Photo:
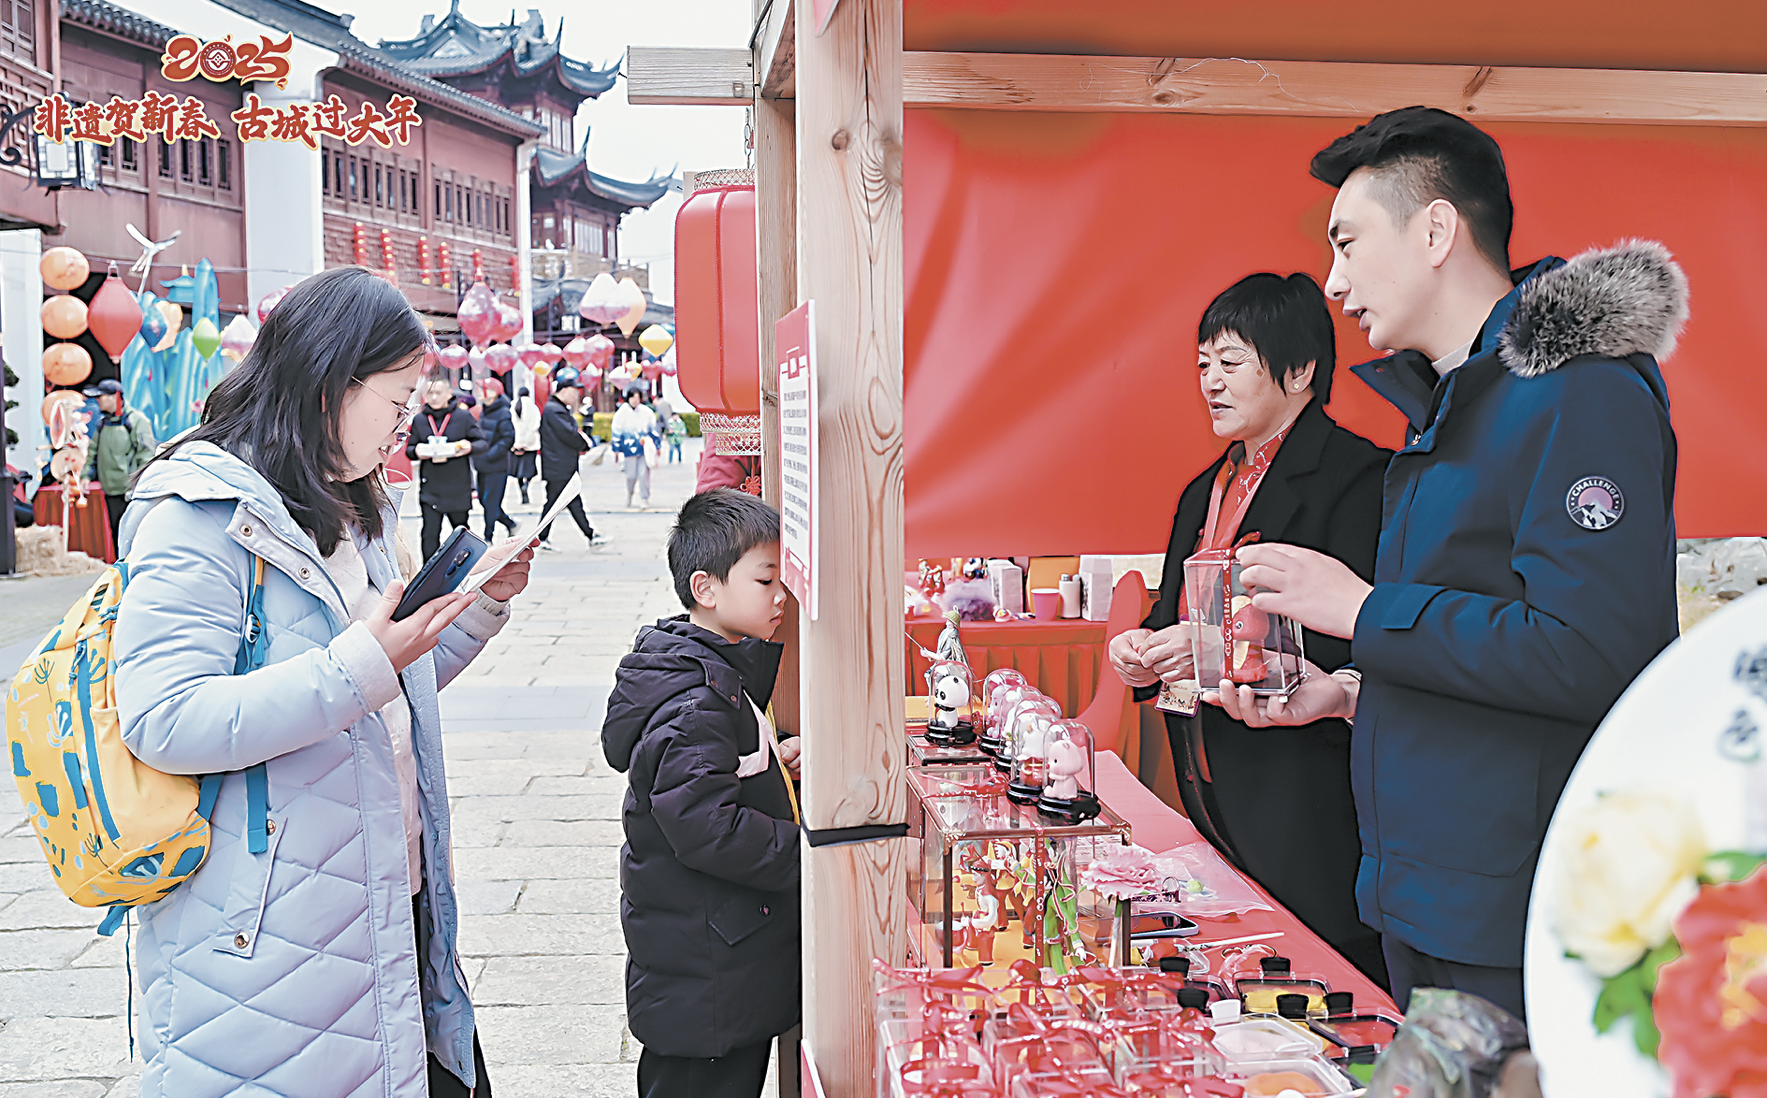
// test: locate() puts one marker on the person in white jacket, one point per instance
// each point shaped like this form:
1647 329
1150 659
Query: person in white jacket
633 424
526 414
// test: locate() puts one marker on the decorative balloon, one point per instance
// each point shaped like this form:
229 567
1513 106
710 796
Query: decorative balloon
656 340
453 357
64 316
509 323
501 358
114 317
66 364
237 338
601 349
205 337
64 268
603 302
153 321
577 353
478 314
636 303
173 316
269 301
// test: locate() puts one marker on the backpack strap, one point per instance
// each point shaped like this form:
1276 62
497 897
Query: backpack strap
252 647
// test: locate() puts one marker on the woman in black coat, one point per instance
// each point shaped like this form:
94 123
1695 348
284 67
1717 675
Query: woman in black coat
445 481
1278 805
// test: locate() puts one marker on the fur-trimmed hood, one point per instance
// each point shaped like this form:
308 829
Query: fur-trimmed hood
1629 299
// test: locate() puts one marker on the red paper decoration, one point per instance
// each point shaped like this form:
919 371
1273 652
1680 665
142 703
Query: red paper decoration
64 268
114 317
64 316
66 364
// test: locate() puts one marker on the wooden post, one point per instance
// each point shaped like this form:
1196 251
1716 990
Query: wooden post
849 115
777 294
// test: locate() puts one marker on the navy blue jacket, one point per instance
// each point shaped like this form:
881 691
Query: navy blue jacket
1525 575
500 433
710 869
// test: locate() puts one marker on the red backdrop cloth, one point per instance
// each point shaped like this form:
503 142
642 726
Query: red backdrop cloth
1156 827
1055 267
89 527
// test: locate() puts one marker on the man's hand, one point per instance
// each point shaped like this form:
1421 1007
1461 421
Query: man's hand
405 641
1168 652
1319 696
790 749
1125 653
1312 588
512 578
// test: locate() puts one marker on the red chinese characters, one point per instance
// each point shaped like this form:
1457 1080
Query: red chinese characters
158 113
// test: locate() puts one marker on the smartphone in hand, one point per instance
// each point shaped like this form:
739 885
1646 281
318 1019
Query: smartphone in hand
443 573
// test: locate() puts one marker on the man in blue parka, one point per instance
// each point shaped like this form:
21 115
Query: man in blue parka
1525 570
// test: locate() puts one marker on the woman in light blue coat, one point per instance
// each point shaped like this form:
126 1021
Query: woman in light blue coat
317 957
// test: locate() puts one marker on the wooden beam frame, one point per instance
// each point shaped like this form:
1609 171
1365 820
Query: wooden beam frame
772 49
1328 89
1217 85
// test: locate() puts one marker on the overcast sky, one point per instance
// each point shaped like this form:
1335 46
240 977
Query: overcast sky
626 142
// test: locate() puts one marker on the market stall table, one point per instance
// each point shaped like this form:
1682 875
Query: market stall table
89 527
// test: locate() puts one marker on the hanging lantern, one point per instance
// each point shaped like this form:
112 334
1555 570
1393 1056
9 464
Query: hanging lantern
114 317
603 302
205 337
64 316
509 323
716 315
655 340
64 268
478 314
479 266
600 350
670 368
153 321
636 303
66 364
269 301
424 260
359 240
444 264
237 338
174 318
476 361
500 358
453 357
515 273
386 251
651 370
531 355
551 354
577 353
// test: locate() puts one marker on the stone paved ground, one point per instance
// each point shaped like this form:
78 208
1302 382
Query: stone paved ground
537 834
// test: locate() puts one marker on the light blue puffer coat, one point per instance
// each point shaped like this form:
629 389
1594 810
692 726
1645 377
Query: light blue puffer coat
291 972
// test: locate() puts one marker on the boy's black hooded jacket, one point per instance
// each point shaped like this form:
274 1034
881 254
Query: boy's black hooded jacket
710 869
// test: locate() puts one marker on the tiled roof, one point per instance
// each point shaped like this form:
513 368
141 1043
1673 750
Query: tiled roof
553 168
118 21
457 46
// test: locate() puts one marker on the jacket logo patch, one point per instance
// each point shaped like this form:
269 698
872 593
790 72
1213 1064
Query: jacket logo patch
1595 503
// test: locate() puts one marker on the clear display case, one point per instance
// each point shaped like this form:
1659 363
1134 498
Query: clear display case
998 882
1231 640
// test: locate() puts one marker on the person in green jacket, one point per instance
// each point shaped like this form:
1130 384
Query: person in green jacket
123 442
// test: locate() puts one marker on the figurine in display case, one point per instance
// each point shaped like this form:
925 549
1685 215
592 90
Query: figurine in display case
949 693
1233 639
1024 744
995 738
1069 773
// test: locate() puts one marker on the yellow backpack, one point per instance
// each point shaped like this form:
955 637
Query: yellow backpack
117 832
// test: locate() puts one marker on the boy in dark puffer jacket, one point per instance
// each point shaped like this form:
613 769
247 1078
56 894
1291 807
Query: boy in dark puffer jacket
710 869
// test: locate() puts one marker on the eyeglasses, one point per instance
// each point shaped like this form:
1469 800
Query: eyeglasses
407 411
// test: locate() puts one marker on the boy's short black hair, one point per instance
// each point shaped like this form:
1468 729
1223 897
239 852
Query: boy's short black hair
1286 320
713 531
1422 154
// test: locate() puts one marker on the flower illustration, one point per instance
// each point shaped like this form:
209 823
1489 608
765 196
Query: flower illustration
1710 1003
1631 865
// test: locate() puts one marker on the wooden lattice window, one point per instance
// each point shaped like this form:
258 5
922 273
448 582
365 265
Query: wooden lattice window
18 28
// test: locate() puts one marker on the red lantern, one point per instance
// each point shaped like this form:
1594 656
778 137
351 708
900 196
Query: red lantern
114 317
479 266
359 243
501 358
509 324
453 357
478 314
716 315
515 273
66 364
424 260
64 316
577 353
386 250
601 349
442 262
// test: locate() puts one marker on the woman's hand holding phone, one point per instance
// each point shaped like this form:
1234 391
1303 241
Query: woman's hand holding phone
406 640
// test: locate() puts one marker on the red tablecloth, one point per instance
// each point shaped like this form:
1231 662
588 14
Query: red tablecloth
89 527
1156 827
1061 658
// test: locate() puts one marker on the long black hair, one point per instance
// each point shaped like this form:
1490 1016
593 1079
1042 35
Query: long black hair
278 410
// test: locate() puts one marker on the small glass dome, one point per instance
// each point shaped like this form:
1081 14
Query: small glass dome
1001 706
1069 773
949 703
998 680
1025 748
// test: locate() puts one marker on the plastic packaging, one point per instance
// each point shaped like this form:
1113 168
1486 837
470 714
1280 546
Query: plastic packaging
1232 640
1451 1045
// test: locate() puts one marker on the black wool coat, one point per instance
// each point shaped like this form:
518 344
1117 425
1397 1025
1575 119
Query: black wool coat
448 485
561 442
1278 801
499 429
710 868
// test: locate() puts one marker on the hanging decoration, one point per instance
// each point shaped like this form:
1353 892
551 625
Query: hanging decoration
387 252
424 260
66 364
577 353
173 318
153 321
444 264
452 357
515 273
114 317
205 337
64 316
601 350
479 266
478 315
509 323
500 358
602 302
359 244
636 303
237 338
656 340
269 301
64 268
476 361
